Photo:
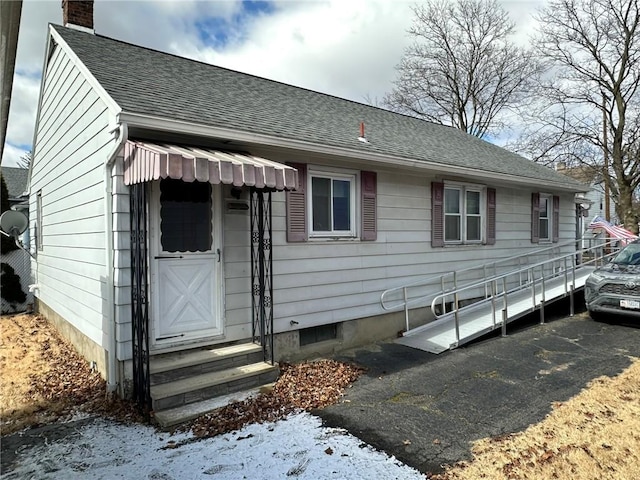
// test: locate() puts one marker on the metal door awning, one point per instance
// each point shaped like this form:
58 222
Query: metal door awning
146 161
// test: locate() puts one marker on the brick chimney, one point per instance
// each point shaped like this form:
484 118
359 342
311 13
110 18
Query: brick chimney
78 13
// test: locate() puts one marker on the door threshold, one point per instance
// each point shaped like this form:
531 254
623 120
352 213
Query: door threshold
187 345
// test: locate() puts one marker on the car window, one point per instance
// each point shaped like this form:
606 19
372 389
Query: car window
630 255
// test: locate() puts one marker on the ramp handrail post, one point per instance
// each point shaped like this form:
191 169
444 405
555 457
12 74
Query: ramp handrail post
504 293
486 287
566 275
571 308
532 275
406 309
504 322
493 302
442 304
543 298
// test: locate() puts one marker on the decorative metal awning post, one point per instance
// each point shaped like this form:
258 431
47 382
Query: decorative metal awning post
139 296
262 272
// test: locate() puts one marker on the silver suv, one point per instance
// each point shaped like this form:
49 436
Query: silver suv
615 287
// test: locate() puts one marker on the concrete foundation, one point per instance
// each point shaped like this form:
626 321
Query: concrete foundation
353 333
91 351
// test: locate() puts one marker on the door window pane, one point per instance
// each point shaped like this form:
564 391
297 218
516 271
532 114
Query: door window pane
321 200
185 216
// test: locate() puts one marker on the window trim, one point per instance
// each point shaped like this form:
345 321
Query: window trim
463 188
39 243
334 174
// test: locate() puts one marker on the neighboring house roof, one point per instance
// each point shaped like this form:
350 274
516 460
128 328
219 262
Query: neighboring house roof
16 180
161 85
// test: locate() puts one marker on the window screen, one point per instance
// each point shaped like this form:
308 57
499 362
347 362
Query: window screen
185 216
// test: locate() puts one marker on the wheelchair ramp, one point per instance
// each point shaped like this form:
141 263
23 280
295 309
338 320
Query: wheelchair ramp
482 317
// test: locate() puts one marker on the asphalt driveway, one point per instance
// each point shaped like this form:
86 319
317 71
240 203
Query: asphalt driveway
426 409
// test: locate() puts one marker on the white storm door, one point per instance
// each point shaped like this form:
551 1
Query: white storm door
187 264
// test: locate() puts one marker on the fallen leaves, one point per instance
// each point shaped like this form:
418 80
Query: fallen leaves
44 378
302 386
48 375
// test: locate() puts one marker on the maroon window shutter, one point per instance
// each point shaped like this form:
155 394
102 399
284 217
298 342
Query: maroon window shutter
368 191
437 214
535 218
297 207
491 216
556 218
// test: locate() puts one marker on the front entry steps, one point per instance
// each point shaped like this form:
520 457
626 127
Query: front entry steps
187 384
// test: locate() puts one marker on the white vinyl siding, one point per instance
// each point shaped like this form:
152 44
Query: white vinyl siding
317 283
72 141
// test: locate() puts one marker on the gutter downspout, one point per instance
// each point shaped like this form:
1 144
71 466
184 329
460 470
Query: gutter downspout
112 377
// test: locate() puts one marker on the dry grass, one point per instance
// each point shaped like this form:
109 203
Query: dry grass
44 379
594 435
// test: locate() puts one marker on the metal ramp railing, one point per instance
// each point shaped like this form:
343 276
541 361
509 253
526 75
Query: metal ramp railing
500 298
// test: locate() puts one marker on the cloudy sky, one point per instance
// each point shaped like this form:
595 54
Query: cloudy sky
347 48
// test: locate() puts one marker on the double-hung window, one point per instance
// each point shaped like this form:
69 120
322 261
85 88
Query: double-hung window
332 204
544 219
463 218
462 214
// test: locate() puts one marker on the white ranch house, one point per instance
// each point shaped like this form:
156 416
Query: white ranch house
177 205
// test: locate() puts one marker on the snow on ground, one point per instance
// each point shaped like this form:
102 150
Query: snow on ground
297 447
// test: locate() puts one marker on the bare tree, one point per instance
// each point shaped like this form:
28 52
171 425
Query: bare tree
462 68
25 160
589 104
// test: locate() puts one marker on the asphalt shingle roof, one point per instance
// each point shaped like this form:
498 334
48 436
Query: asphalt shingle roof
16 180
149 82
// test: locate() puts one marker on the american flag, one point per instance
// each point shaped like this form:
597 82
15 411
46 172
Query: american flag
614 231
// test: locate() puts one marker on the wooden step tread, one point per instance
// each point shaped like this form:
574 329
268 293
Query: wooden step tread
184 413
197 382
189 358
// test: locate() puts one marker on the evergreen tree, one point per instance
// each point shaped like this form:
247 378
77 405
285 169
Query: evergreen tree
12 291
7 244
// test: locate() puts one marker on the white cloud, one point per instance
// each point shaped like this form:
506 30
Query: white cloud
348 49
24 100
11 155
344 48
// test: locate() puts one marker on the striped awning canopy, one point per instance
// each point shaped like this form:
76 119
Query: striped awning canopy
146 161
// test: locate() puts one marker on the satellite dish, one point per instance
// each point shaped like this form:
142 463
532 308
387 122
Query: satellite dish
13 223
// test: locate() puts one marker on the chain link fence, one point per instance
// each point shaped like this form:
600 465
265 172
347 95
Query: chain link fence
16 263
